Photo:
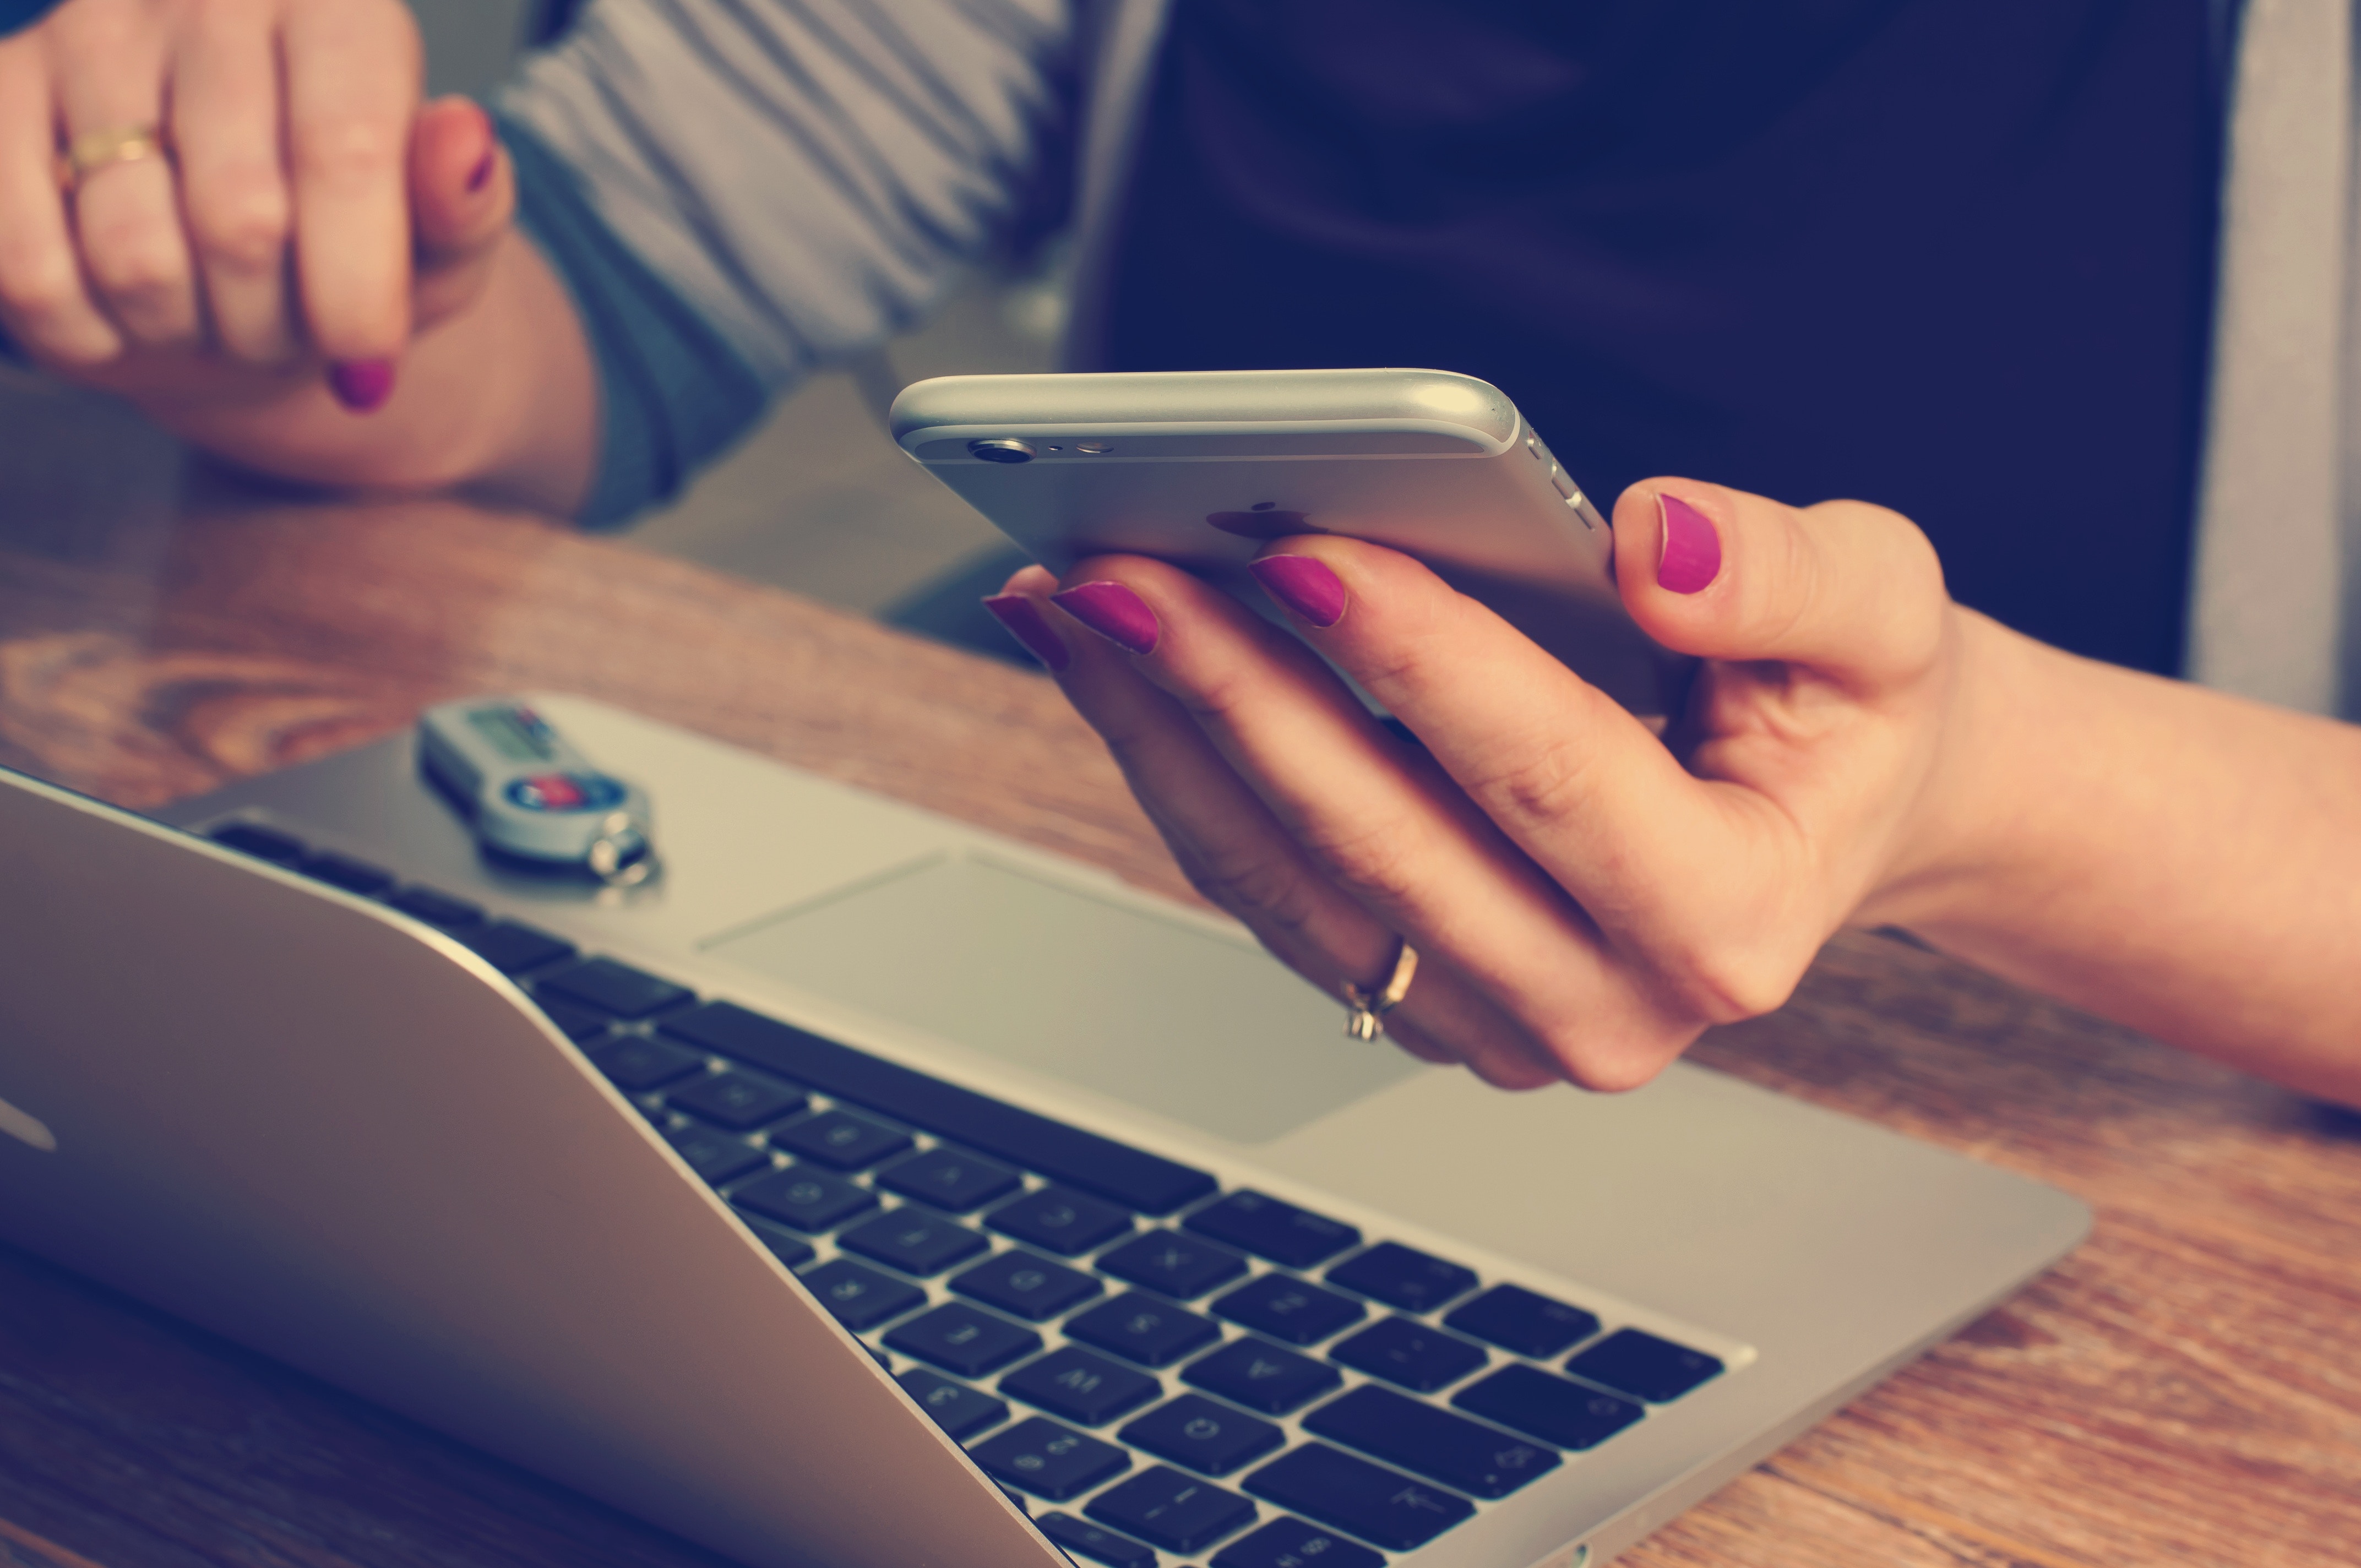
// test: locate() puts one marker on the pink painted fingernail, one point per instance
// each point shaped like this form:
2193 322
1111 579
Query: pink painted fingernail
1692 557
361 385
482 174
1304 585
1025 622
1114 612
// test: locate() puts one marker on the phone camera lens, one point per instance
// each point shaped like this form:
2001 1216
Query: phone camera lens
1002 451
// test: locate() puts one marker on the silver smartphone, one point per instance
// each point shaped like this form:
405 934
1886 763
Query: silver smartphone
1200 467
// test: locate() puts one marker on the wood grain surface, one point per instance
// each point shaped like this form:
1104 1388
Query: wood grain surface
2185 1388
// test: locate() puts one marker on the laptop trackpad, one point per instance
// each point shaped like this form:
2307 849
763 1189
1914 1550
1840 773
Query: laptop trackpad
1160 1014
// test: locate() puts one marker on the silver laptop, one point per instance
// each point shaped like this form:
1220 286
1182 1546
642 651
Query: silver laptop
869 1189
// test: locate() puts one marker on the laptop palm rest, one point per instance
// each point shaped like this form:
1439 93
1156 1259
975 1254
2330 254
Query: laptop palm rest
1162 1014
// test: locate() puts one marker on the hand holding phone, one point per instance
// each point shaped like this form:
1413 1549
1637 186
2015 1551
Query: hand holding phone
1201 468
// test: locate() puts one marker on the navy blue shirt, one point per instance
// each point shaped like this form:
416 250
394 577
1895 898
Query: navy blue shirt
1951 256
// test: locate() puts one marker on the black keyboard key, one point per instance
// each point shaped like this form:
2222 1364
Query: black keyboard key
913 1241
577 1024
738 1101
861 1298
614 988
437 908
1296 1238
1182 1266
1176 1512
1029 1285
784 1246
262 843
840 1139
958 1338
512 948
1287 1309
1060 1219
1517 1319
1399 1277
1380 1506
959 1409
715 1156
1195 1432
811 1200
1434 1444
1146 1183
1047 1460
1555 1410
635 1064
352 875
1145 1328
1081 1385
949 1179
1644 1366
1083 1538
1261 1377
1292 1544
1402 1351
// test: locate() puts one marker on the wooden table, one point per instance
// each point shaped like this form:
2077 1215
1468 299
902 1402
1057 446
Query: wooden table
2184 1389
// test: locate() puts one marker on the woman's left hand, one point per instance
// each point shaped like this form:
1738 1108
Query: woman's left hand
1585 897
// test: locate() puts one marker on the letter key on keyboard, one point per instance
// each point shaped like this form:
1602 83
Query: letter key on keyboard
715 1156
1049 1460
1399 1277
808 1199
736 1100
840 1140
1182 1266
1261 1377
1081 1385
1027 1286
1287 1309
1142 1328
1296 1238
635 1063
1060 1219
1404 1351
861 1298
915 1241
1099 1545
959 1409
1291 1543
949 1178
1195 1432
958 1338
613 988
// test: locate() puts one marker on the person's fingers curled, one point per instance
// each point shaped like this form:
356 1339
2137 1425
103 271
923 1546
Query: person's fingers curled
44 302
226 131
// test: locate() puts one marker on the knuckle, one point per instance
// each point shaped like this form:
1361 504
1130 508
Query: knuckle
1377 859
1724 985
1543 779
138 269
341 151
1602 1065
244 221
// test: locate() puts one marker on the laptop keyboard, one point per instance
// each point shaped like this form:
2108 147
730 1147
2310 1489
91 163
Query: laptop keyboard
1157 1368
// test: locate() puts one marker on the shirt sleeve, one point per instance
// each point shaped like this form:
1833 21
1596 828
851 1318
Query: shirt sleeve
739 192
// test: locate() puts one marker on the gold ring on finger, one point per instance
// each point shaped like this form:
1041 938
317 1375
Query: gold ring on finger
1365 1016
95 151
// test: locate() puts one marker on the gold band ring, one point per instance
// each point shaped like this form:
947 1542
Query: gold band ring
95 151
1366 1016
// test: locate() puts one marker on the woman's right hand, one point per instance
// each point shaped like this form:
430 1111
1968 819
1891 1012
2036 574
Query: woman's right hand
310 217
